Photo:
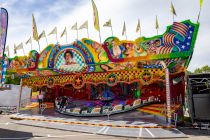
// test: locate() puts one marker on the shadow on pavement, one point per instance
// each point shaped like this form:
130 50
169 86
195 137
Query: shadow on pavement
194 132
12 134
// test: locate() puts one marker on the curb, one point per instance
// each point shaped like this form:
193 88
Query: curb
92 124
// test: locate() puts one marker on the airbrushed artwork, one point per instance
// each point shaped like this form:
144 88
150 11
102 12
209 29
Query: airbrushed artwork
88 77
113 71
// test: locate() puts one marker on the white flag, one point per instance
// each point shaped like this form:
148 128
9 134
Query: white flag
20 46
64 32
42 34
138 27
84 25
74 27
108 23
54 31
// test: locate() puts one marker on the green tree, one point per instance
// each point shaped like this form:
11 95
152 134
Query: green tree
198 70
204 69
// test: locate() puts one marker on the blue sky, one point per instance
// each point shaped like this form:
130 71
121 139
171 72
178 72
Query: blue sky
64 13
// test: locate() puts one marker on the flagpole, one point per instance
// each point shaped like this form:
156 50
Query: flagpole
126 35
56 37
39 45
99 32
66 38
99 35
15 51
77 34
46 40
140 32
199 15
8 53
24 52
87 32
173 17
139 28
31 45
111 30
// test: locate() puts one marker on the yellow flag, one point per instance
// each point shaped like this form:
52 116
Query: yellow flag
201 3
156 23
84 25
74 27
138 27
64 32
108 23
42 34
35 33
95 16
124 29
54 31
172 9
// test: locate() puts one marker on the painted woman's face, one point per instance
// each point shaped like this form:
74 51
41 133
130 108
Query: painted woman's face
68 56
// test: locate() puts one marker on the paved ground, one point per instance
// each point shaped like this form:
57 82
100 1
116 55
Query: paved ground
10 130
134 128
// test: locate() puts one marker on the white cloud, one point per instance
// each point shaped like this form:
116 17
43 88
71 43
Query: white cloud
66 13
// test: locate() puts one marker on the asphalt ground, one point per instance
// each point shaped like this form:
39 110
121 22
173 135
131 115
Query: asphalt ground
10 131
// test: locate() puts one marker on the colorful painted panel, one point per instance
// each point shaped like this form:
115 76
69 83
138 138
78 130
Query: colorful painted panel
44 56
143 76
97 51
69 60
174 48
24 63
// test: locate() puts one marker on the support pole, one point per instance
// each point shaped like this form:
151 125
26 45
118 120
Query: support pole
168 96
112 30
20 92
99 35
87 33
77 34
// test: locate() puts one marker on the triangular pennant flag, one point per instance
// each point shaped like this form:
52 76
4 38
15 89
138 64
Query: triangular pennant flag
42 34
15 51
34 28
20 46
156 23
108 23
64 32
74 27
172 9
95 16
84 25
54 31
124 29
138 27
28 41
